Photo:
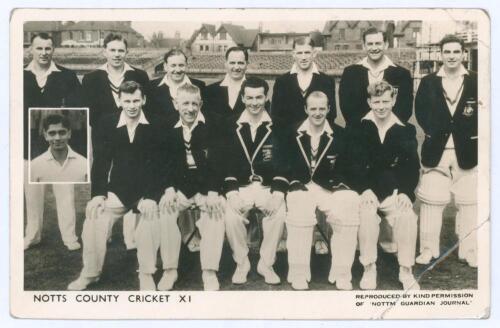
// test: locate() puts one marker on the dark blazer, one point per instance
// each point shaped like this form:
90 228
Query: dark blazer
353 92
175 171
338 165
288 104
98 94
62 89
217 101
391 165
124 168
237 143
435 119
160 102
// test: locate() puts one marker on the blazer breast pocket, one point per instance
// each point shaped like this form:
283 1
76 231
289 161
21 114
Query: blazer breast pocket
267 153
331 160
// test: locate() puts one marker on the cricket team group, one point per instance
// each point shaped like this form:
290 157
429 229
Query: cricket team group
166 146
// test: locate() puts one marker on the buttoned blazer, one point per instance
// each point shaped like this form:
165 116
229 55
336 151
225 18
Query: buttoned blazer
393 164
207 176
238 150
438 124
160 102
124 168
62 89
288 104
353 92
98 95
338 165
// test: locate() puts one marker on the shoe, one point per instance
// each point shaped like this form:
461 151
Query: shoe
299 282
425 257
320 247
210 281
407 279
146 282
471 258
73 246
82 283
341 282
241 272
270 277
369 279
168 279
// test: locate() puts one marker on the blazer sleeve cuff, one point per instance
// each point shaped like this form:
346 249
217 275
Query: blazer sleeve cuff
280 184
230 184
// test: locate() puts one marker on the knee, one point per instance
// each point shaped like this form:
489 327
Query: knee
465 190
434 188
345 209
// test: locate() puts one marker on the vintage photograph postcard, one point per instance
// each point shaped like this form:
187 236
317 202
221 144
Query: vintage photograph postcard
250 164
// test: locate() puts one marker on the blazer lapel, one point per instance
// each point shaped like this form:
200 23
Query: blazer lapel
463 97
324 143
106 90
263 132
440 95
304 143
243 133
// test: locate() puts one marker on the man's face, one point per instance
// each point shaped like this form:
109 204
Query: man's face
42 51
254 100
132 103
236 65
303 56
452 55
175 67
188 106
57 136
316 110
115 53
375 46
382 105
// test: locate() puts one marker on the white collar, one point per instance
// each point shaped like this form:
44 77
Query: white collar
123 121
295 70
126 67
52 68
169 83
245 118
393 119
462 71
306 126
386 62
199 118
228 81
49 157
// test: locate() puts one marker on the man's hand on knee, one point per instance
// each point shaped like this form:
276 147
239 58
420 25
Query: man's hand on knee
368 198
237 204
404 203
215 205
95 207
168 202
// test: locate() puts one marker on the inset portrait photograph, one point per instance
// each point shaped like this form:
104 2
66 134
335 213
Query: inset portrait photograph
58 145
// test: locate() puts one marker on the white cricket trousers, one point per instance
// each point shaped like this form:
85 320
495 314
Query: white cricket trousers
435 189
256 195
96 233
342 211
396 232
35 202
211 232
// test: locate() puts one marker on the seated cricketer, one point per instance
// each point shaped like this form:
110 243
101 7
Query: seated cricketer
121 173
386 212
322 174
60 163
252 181
192 179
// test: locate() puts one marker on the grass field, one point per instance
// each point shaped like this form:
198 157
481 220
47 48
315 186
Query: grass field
50 266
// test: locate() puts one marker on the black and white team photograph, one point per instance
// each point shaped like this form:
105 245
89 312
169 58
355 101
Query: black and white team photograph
333 155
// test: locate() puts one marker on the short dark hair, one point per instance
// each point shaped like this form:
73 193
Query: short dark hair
130 87
174 52
374 30
450 38
377 89
114 37
233 49
43 36
254 82
56 119
302 41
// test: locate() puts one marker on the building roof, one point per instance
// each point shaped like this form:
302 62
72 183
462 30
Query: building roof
329 25
99 25
240 34
403 25
207 27
283 33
